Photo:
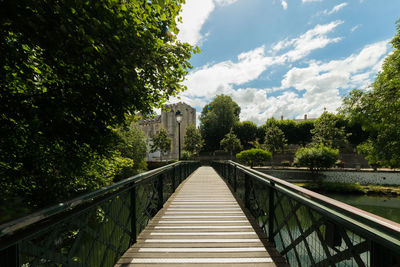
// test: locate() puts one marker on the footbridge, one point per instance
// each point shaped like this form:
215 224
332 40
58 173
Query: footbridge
187 215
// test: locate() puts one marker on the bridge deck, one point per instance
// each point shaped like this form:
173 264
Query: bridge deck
201 224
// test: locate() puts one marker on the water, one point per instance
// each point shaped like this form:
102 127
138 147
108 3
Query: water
385 206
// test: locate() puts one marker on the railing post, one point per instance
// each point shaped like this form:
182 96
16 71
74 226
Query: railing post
380 256
10 256
271 212
173 179
246 191
235 180
160 191
133 217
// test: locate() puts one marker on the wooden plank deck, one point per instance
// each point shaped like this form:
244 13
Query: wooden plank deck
201 224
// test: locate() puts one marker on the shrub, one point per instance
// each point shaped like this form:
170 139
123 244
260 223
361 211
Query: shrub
316 157
254 157
186 155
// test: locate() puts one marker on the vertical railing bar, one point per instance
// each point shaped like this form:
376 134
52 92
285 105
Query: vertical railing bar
173 179
160 183
271 211
133 218
246 191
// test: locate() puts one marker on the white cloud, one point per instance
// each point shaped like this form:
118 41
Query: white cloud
225 2
307 1
220 78
355 27
334 9
309 41
284 4
316 86
194 14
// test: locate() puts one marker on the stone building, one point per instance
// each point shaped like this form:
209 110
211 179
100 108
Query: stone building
168 121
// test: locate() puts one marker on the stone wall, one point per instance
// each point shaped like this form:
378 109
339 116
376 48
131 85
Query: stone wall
342 176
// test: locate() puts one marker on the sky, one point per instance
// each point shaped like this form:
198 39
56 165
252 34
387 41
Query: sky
284 57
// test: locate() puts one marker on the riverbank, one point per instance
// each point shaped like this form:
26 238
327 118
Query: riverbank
344 188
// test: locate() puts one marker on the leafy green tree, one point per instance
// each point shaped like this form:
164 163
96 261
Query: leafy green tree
70 72
368 149
274 139
193 142
246 131
254 157
317 157
161 142
217 119
231 143
133 145
289 129
303 132
326 131
378 110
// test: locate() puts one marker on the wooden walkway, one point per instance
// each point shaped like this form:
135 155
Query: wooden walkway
201 225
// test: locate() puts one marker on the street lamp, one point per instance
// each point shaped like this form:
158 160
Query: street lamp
179 117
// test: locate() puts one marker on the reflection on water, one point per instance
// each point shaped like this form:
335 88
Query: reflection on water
384 206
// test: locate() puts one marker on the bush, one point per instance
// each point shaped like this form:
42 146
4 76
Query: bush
316 158
254 157
186 155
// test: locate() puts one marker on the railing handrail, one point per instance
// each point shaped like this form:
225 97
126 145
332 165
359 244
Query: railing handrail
381 227
17 224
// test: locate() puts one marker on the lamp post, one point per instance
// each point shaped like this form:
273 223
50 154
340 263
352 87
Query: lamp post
179 117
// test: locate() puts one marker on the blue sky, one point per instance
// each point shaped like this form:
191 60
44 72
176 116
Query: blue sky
284 57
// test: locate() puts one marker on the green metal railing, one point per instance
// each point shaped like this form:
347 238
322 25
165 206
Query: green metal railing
310 229
94 229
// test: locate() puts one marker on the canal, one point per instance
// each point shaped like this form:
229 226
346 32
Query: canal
385 206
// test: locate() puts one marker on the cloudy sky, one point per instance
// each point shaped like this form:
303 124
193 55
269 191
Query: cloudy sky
284 57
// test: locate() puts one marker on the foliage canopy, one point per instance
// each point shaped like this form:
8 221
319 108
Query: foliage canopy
217 119
316 157
161 142
246 131
254 157
71 71
378 111
231 143
193 142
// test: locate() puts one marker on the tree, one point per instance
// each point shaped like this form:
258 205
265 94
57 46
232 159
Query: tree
378 110
161 142
133 145
274 139
70 72
217 119
289 129
327 132
254 157
316 158
231 143
303 132
246 131
193 142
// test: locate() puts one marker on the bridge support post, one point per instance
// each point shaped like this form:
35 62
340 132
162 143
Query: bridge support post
271 212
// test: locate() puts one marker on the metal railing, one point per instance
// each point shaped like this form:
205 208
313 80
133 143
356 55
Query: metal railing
94 229
310 229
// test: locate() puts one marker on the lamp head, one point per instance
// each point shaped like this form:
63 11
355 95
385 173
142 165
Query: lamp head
178 116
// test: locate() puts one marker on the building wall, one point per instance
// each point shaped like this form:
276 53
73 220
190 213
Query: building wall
168 121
